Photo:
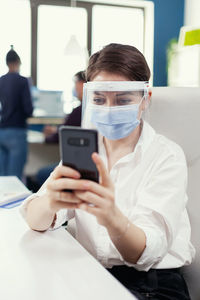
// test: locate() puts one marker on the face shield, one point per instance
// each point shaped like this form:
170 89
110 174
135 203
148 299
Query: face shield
112 107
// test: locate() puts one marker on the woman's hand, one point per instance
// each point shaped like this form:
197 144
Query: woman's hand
98 199
63 178
41 210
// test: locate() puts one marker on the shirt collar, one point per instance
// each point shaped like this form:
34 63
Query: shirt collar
146 137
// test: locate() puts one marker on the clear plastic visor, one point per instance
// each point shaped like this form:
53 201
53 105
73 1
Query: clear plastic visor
111 94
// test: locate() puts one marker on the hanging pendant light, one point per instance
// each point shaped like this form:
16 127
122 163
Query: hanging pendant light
73 47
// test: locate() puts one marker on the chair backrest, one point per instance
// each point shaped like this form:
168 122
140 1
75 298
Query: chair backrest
175 113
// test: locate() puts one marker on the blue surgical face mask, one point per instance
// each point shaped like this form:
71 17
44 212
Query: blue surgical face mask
115 122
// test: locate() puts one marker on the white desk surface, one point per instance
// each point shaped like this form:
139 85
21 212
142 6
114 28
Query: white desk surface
49 266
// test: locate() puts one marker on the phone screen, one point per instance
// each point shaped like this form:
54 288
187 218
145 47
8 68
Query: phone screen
76 147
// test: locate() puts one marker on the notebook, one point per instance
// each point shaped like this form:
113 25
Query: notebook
12 190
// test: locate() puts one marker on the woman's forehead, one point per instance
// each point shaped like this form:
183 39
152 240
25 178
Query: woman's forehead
107 76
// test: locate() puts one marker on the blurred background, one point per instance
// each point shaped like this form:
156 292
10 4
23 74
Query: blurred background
54 39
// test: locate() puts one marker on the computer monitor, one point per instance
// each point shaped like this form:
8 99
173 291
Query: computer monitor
47 103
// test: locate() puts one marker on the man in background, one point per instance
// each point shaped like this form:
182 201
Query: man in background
15 107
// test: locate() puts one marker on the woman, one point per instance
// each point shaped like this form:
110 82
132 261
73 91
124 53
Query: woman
15 108
137 225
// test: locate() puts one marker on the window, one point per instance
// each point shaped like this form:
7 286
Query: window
92 24
56 26
117 25
15 30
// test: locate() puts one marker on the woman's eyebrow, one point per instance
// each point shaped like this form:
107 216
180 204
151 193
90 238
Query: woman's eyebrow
125 93
99 94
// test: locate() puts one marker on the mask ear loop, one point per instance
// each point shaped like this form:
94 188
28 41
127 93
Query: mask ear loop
145 112
146 104
141 114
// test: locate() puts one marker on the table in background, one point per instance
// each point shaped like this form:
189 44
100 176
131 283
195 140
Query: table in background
40 154
49 266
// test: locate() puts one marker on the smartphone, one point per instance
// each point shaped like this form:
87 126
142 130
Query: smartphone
76 147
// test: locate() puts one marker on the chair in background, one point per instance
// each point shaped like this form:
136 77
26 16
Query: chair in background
175 113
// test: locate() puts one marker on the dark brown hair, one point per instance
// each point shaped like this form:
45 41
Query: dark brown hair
80 76
120 59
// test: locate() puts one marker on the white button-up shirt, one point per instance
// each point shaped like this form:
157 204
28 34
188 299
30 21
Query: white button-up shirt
150 189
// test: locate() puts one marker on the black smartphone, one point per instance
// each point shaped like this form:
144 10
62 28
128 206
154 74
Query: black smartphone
76 147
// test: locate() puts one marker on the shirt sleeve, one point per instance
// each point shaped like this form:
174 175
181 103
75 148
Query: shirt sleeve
74 119
53 138
159 209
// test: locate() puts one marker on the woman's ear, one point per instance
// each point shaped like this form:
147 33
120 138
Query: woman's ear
147 101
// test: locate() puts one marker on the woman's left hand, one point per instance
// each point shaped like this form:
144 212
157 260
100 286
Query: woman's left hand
98 199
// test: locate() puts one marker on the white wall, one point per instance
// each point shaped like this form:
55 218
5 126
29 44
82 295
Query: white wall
192 12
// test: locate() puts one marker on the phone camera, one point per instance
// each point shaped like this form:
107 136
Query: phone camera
80 142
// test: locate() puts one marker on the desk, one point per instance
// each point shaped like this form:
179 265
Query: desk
45 120
50 266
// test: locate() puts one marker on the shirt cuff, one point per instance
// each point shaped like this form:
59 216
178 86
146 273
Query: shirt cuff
62 215
61 218
151 255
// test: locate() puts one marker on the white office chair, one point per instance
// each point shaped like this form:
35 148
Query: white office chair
175 113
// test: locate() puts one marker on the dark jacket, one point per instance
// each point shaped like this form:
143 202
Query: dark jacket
74 119
15 101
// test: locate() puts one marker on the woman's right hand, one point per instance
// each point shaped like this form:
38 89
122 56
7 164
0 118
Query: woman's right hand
63 178
41 210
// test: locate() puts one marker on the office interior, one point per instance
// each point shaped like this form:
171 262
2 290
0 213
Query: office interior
55 38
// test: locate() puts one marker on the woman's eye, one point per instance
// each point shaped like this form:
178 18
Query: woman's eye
99 101
124 101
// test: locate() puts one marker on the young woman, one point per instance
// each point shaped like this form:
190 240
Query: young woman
137 225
